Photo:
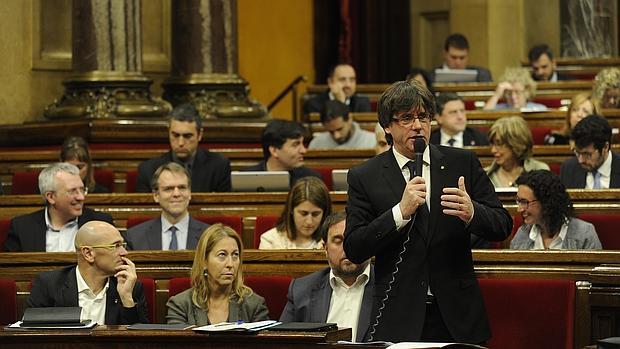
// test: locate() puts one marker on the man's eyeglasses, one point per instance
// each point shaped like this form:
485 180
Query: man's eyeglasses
583 154
77 191
170 189
523 203
408 119
114 246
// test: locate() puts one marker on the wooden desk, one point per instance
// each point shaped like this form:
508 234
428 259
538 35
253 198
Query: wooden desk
107 337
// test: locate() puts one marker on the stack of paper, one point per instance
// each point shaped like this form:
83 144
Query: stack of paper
237 326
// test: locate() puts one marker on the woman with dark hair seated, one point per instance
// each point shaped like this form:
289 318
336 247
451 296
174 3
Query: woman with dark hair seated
217 293
548 216
307 205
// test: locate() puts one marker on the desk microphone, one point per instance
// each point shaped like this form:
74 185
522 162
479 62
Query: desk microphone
419 145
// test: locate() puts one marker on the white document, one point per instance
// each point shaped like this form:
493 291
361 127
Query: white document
237 326
18 325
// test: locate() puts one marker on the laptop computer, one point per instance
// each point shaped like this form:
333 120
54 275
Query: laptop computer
259 181
456 75
339 180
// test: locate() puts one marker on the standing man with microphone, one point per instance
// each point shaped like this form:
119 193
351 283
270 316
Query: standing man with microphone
416 217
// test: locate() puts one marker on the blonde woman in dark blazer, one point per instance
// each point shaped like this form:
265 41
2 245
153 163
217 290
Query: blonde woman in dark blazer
217 293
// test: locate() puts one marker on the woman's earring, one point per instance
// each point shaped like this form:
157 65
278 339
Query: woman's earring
204 273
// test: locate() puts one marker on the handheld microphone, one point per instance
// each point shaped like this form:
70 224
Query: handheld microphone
419 145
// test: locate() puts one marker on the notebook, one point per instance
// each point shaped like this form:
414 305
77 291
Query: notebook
259 181
455 75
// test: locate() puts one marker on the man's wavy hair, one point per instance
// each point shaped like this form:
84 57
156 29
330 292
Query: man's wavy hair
556 205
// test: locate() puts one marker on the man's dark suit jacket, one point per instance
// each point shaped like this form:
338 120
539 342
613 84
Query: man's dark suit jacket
561 76
471 137
440 257
210 172
27 232
295 174
58 288
357 104
147 235
574 176
484 75
309 298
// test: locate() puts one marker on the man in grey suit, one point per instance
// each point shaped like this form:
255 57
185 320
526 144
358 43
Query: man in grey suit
175 229
341 293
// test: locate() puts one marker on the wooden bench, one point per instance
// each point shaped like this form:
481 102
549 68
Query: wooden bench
596 273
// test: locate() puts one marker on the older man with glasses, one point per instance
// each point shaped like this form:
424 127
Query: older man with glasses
103 283
53 228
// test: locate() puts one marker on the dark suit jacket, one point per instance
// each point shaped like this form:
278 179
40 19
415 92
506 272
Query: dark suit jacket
309 298
147 235
27 232
210 172
295 174
358 103
442 258
574 176
58 288
471 137
484 75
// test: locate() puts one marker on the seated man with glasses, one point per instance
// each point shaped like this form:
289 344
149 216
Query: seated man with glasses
175 229
104 282
53 228
549 220
594 166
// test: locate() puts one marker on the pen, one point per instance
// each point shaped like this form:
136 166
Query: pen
238 322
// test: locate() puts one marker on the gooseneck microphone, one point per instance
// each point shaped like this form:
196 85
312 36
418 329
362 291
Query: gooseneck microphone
419 145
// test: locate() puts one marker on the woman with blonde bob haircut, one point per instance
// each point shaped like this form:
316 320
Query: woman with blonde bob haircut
581 105
217 293
511 145
307 205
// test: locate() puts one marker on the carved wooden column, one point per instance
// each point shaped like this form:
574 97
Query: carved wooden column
204 61
107 62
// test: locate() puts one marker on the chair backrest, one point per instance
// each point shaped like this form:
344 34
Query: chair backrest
539 133
273 288
178 285
235 222
148 286
131 181
534 313
606 225
326 175
8 301
25 183
263 223
105 177
135 220
4 231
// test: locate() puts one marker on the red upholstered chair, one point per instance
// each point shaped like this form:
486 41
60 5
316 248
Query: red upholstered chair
536 313
555 167
25 183
263 223
470 105
8 301
326 175
148 286
549 102
178 285
606 225
131 180
539 133
235 222
105 178
135 220
4 231
274 288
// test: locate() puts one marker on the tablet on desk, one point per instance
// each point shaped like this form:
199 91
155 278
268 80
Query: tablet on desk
456 75
339 180
259 181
